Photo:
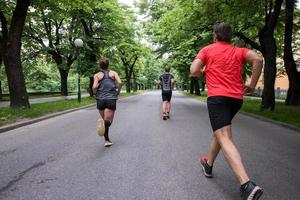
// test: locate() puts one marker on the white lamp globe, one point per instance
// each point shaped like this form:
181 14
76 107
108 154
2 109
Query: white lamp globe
78 43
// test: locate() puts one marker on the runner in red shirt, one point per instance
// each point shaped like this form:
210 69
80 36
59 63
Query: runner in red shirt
223 70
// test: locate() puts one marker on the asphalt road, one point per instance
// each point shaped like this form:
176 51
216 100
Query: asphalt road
64 158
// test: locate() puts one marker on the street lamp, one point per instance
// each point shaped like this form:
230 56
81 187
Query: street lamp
78 44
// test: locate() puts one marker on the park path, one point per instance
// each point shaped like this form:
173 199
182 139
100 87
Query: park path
45 99
152 159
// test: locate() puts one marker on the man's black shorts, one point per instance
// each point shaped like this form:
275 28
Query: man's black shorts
166 96
103 104
221 110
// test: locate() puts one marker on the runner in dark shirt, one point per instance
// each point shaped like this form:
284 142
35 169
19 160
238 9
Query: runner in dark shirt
166 81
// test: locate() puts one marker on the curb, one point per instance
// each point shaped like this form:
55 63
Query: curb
285 125
32 121
282 124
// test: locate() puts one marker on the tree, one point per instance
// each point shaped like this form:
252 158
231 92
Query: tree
51 30
11 52
128 59
293 94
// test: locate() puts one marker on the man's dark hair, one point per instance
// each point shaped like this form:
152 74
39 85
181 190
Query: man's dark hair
223 32
104 63
167 69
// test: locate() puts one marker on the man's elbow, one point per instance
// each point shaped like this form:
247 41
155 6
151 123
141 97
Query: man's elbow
259 61
196 73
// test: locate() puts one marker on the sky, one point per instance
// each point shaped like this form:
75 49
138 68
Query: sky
128 2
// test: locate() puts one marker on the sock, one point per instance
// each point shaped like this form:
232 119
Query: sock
245 185
107 125
207 165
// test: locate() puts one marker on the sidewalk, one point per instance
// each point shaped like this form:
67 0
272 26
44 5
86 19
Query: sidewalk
47 99
259 98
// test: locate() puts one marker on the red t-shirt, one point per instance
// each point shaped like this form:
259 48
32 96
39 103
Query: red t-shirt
223 69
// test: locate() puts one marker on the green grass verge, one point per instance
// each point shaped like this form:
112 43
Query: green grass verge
282 113
5 97
12 115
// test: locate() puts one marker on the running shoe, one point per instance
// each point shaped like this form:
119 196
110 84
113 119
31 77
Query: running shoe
251 191
207 170
108 143
168 115
101 127
165 118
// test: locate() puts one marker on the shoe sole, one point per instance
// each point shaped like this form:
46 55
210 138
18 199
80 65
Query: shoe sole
108 145
256 192
101 127
203 170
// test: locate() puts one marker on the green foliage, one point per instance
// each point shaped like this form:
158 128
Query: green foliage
180 28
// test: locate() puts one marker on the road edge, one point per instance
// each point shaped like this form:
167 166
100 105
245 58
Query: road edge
35 120
278 123
282 124
16 125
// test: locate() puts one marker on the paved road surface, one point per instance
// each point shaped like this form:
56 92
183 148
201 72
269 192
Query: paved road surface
152 159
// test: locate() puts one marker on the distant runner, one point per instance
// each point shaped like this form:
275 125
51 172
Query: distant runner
166 81
107 92
223 70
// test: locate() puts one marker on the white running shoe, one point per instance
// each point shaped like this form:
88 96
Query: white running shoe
101 127
108 143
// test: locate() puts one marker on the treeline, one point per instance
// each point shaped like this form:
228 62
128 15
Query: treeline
36 33
181 28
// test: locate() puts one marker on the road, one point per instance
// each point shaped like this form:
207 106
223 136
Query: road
64 158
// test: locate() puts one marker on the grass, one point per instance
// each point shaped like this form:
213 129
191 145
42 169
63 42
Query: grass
5 97
12 115
282 113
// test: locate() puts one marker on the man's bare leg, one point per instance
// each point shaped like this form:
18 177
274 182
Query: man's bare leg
164 109
231 154
213 151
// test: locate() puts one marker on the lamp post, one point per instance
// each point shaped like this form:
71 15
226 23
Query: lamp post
78 44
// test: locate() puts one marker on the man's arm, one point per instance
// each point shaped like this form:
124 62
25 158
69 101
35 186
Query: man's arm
158 82
257 63
95 84
196 68
119 83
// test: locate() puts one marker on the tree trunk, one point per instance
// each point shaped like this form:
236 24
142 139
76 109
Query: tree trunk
12 57
269 49
63 81
134 81
202 86
91 86
197 87
0 90
293 94
128 86
192 85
